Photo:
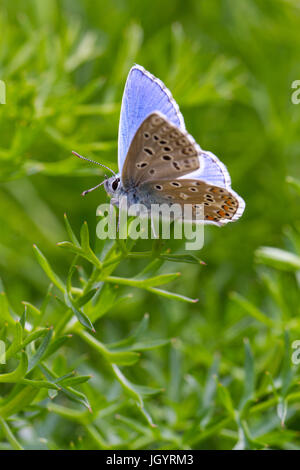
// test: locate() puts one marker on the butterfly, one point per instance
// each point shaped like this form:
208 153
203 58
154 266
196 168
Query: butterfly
160 162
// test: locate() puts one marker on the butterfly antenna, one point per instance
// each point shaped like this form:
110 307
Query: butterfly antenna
92 161
92 189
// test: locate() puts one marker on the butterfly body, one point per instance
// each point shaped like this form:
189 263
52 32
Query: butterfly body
133 194
160 163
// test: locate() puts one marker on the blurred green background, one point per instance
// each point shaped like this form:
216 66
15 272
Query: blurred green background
230 65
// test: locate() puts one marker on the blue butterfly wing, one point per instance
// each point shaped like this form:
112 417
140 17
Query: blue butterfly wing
211 170
143 95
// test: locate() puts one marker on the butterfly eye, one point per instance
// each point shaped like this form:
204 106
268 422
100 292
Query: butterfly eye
115 184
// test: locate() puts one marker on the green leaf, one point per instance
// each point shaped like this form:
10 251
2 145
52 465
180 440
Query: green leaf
18 373
70 232
295 183
71 381
35 311
17 343
147 345
172 295
225 398
80 315
121 358
286 373
104 300
141 328
5 315
181 258
84 299
56 345
252 310
249 382
19 401
9 435
48 270
85 237
278 258
209 391
144 283
70 392
38 356
88 254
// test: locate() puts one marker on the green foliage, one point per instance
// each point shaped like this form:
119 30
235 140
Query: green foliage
99 353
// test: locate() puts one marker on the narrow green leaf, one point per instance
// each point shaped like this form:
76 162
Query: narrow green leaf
85 237
120 358
48 270
80 315
23 318
295 183
278 258
70 392
84 299
141 328
181 258
148 345
18 373
17 341
127 386
71 381
143 283
225 398
252 310
5 315
9 435
171 295
249 382
18 402
209 391
70 232
35 311
37 357
55 345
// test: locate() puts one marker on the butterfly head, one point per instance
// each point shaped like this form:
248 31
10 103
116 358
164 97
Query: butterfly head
112 185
